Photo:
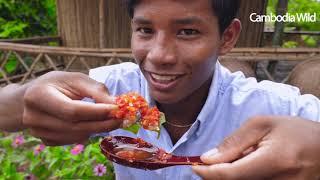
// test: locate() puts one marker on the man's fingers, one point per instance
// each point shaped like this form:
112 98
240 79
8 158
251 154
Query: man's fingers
259 164
209 172
97 126
55 124
77 132
82 111
63 98
57 104
242 140
86 87
52 137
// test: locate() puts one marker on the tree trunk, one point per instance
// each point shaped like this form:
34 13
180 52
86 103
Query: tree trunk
252 33
282 8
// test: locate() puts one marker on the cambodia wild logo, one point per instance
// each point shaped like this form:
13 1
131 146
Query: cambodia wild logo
298 17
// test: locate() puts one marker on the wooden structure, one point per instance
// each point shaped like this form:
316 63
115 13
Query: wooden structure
93 24
105 23
91 36
35 60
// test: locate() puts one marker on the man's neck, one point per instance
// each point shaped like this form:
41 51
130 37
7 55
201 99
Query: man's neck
186 111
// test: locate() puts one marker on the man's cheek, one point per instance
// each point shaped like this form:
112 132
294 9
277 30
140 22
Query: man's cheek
139 55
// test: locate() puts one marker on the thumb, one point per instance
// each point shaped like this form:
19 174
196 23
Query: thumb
92 89
240 142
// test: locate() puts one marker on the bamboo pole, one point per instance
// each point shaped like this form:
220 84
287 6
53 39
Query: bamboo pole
34 40
102 22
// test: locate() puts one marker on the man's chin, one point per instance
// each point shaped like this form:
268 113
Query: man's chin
164 98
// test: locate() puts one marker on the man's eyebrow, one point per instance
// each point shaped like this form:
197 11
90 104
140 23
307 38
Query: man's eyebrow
141 20
188 20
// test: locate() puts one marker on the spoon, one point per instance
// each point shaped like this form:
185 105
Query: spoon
139 154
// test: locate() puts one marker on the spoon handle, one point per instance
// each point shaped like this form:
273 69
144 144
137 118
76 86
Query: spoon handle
185 160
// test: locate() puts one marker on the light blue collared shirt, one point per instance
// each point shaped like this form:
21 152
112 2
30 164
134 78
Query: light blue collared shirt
232 99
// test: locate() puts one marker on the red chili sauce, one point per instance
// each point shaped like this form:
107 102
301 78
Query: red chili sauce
139 150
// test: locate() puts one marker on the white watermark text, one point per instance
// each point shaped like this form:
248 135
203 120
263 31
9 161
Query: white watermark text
298 17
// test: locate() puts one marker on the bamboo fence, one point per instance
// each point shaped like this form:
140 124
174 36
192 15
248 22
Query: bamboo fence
35 60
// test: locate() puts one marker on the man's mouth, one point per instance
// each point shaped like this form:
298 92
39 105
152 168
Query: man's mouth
164 78
164 82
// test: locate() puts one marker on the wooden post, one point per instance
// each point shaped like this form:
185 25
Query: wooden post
282 8
252 33
102 31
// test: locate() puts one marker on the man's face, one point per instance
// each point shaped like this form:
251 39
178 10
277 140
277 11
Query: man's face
176 44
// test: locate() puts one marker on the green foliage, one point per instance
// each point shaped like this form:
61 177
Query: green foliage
19 18
290 44
11 65
305 6
52 162
310 41
300 7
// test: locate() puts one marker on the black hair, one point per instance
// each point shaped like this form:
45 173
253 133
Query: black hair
225 10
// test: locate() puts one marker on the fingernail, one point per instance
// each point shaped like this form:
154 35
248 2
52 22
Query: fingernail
211 153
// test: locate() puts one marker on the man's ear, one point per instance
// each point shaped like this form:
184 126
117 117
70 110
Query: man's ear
230 37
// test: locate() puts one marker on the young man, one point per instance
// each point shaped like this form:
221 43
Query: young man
176 44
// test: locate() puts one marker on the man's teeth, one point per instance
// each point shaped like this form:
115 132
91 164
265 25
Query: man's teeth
163 78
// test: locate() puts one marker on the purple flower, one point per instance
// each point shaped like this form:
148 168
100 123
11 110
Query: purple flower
77 149
100 170
18 141
38 149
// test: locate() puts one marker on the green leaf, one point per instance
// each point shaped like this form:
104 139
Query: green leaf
133 128
17 158
53 163
162 120
290 44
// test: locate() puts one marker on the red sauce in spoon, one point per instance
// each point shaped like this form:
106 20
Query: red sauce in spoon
138 149
138 153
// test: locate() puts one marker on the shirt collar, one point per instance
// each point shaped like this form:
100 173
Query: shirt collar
207 112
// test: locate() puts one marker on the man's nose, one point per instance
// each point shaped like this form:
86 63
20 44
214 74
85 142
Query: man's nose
162 52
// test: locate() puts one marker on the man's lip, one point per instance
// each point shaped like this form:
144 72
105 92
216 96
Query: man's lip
163 86
164 73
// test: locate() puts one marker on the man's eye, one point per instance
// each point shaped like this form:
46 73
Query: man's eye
145 30
188 32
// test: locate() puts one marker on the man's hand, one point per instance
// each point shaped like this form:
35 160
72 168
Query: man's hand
271 147
54 112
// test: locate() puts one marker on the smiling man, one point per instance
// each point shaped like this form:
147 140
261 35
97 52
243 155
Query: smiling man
261 130
176 44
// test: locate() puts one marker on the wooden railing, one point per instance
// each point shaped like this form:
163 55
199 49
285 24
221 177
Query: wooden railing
34 60
42 40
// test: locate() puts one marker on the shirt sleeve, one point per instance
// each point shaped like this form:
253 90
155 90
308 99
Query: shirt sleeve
119 79
291 102
305 106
